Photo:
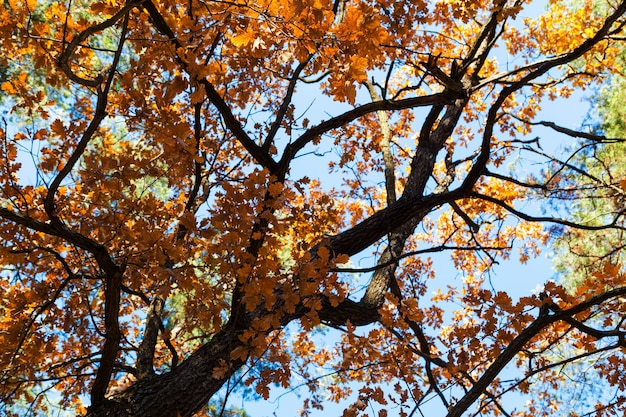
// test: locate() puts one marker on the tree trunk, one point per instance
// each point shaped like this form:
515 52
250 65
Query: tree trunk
180 392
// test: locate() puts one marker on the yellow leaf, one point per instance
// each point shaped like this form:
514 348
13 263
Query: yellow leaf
8 87
243 39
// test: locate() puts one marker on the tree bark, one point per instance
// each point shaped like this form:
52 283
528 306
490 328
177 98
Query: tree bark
182 391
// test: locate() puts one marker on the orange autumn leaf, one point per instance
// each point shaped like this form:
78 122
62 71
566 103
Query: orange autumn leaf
339 199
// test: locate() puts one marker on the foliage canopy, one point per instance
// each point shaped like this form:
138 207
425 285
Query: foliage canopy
186 188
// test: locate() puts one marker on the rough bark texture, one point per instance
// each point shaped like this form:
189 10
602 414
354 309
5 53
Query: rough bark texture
182 391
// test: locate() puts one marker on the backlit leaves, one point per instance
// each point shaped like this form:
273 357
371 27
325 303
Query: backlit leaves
232 159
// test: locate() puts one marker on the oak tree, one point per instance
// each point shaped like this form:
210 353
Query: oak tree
189 191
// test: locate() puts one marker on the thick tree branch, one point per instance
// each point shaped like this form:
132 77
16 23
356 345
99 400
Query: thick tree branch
145 353
83 242
385 146
110 349
99 115
483 44
69 50
351 115
101 105
258 153
545 219
195 379
372 229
